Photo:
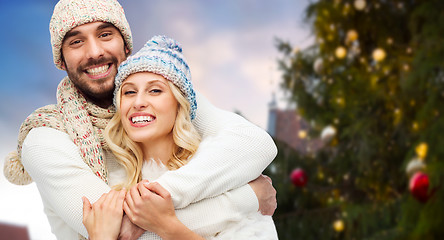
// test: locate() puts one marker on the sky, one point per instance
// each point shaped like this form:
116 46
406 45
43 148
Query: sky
229 45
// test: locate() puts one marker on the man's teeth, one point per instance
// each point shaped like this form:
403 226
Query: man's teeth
142 119
98 70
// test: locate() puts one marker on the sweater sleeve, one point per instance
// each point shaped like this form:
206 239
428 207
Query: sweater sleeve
232 153
212 216
55 164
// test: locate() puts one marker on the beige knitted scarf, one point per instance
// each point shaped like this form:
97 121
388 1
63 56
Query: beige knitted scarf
83 121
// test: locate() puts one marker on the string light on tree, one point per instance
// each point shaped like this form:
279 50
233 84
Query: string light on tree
302 134
346 9
360 4
341 52
406 67
379 54
352 35
397 116
389 41
338 225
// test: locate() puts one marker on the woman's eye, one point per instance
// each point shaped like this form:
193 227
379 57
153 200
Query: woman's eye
129 92
155 90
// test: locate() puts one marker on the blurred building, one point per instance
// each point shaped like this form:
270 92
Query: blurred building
13 232
287 126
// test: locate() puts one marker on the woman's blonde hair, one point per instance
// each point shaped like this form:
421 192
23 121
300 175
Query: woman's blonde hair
129 154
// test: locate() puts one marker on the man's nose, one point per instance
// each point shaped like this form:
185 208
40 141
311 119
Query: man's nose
94 49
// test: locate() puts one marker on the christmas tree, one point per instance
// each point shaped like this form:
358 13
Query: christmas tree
372 88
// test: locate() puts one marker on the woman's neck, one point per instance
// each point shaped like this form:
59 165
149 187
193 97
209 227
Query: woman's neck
159 150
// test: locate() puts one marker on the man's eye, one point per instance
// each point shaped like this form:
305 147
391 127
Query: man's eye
105 34
75 42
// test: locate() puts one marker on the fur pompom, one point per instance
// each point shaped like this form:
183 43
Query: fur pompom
14 170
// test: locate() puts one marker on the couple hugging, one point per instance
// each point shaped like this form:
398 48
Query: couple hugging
130 135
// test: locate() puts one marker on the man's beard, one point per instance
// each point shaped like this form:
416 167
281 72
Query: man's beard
102 92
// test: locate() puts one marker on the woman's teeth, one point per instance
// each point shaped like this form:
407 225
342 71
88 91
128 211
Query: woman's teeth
142 119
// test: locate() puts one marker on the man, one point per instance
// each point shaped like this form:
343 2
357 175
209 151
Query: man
62 146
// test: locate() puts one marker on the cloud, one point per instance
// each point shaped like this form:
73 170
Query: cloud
237 70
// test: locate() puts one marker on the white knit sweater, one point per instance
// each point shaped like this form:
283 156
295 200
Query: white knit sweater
233 153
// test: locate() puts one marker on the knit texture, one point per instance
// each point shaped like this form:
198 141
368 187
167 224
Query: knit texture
160 55
69 14
83 121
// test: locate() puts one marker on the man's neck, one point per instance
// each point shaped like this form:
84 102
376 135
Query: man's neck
103 103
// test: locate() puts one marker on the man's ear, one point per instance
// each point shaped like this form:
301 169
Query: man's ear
62 58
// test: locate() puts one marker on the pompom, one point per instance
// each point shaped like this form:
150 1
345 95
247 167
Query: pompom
165 43
14 170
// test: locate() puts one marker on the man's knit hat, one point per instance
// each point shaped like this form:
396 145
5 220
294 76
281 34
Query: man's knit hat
160 55
69 14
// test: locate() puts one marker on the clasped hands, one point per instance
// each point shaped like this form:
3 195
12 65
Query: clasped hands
105 219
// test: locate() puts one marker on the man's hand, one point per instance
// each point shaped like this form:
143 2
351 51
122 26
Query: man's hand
265 193
129 231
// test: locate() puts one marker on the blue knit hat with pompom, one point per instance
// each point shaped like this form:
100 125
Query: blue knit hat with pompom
160 55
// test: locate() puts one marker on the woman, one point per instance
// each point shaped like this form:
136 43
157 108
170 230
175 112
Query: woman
150 134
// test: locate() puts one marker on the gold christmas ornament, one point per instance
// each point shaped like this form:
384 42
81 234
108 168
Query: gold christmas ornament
338 225
360 4
341 52
421 150
379 54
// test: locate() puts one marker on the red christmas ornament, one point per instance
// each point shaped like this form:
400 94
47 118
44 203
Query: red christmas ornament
419 186
298 177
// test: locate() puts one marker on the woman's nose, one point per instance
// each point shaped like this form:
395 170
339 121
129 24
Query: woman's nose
141 101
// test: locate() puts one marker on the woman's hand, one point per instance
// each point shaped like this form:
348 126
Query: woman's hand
149 206
103 218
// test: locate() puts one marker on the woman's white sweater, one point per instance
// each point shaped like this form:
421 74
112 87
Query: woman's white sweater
232 153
